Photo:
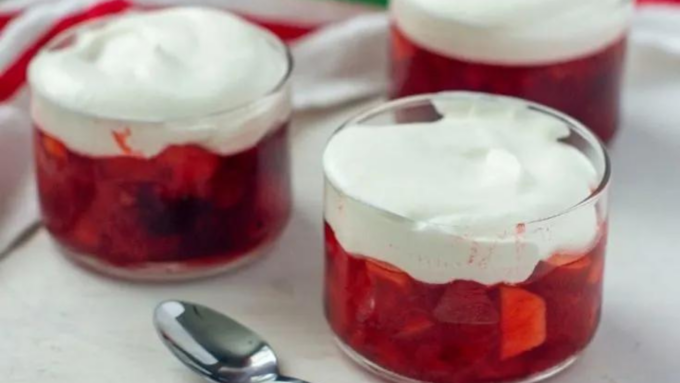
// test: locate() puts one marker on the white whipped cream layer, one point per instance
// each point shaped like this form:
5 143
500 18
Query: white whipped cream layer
185 75
513 32
466 197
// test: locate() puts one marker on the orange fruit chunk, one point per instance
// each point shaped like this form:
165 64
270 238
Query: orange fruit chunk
523 321
387 272
53 147
569 260
580 264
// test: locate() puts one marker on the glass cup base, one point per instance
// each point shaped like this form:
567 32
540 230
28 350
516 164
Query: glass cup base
165 271
396 378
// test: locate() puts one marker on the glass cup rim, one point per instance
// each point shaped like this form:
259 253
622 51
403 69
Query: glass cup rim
91 24
595 195
625 3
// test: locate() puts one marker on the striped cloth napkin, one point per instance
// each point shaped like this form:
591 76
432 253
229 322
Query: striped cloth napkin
324 76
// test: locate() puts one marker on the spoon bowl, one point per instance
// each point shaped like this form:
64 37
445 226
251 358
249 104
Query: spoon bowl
215 346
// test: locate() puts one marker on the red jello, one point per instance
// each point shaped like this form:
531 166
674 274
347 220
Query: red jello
587 88
462 331
186 211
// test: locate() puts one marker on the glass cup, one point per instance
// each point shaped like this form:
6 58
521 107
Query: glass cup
407 330
188 210
568 58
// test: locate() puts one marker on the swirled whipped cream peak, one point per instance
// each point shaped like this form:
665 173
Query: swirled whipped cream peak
469 196
513 31
152 67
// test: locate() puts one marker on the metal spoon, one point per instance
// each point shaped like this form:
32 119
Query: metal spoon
216 346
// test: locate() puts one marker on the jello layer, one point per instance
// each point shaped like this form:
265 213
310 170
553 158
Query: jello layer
513 32
483 194
159 78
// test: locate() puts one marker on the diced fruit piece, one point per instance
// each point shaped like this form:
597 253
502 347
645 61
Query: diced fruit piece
384 265
523 321
387 272
53 147
580 264
417 324
558 259
573 261
465 303
191 169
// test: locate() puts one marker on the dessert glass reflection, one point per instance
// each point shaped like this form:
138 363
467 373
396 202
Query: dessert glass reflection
161 142
568 55
467 246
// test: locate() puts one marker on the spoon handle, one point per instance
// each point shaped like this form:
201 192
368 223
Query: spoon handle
285 379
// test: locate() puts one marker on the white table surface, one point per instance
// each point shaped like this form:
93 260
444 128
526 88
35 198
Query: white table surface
61 324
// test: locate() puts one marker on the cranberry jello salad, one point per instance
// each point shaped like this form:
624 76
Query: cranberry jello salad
568 55
162 141
465 239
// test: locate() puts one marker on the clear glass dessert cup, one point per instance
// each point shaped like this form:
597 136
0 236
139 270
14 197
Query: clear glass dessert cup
462 331
189 210
585 84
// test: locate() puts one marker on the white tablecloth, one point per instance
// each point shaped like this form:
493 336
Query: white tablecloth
61 324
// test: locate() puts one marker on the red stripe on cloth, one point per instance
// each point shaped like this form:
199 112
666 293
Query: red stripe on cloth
286 31
15 76
5 18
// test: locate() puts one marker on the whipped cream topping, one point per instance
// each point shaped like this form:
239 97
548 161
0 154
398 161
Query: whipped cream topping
138 75
519 32
466 197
